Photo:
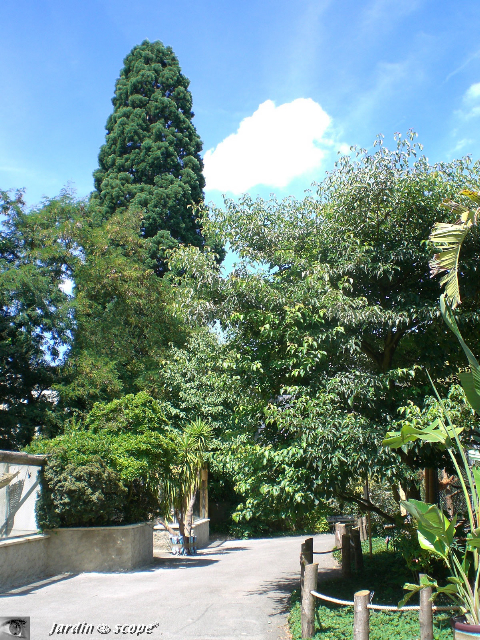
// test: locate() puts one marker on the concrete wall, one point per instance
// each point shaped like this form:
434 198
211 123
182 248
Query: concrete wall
23 560
75 550
99 548
201 529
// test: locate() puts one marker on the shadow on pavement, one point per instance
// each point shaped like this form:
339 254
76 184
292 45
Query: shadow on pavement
217 551
279 590
179 562
35 586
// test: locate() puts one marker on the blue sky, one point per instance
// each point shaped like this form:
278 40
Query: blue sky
278 87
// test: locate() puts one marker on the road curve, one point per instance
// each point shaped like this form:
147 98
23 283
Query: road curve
233 590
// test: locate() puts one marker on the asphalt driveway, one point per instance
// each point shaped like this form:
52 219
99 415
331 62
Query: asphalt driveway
232 590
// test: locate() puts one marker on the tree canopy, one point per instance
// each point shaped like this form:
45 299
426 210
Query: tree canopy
36 314
151 158
333 316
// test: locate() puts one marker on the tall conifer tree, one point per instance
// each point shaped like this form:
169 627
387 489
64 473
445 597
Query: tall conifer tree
151 155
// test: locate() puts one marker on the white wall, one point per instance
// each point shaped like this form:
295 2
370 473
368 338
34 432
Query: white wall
17 500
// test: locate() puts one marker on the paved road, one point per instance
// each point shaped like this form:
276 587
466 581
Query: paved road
234 590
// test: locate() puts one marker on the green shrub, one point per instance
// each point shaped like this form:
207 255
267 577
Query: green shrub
110 468
79 496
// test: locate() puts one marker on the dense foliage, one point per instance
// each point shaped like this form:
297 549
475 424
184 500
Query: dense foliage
331 316
151 158
123 449
125 316
36 318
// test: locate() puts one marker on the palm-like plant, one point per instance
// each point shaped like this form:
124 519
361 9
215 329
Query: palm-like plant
435 531
180 489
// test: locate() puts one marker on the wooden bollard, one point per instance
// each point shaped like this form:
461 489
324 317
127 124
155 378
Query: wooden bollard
357 549
361 622
308 601
303 561
426 613
346 556
309 550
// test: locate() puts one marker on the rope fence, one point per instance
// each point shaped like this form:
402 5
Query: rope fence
362 599
382 607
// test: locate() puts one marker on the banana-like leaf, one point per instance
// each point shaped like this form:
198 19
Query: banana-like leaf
476 478
449 317
435 531
473 539
470 380
435 432
448 239
473 195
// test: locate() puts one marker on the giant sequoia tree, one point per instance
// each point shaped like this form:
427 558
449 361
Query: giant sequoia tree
151 155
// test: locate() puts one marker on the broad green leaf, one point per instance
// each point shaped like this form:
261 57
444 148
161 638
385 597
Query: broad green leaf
412 590
448 239
476 477
470 380
449 318
435 531
449 589
435 432
473 538
473 195
425 581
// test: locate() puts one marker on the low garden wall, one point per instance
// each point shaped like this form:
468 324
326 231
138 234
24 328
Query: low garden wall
201 529
24 560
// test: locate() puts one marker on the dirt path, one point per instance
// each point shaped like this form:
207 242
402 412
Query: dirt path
233 590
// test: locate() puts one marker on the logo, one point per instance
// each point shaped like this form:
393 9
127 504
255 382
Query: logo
15 627
103 628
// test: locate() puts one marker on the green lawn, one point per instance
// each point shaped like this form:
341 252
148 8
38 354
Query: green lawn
384 573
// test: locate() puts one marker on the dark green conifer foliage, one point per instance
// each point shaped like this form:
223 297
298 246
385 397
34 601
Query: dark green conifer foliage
151 155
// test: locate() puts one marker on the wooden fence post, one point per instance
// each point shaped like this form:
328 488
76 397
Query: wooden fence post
308 601
361 626
357 550
346 556
306 557
340 529
309 550
426 613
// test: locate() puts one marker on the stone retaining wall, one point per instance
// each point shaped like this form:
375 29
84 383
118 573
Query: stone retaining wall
24 560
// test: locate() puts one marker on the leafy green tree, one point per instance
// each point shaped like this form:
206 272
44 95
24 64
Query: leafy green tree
330 325
126 319
151 157
37 255
195 381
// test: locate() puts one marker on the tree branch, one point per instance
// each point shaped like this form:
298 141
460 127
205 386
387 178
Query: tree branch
368 506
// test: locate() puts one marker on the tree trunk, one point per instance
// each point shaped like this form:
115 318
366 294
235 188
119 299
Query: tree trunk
189 515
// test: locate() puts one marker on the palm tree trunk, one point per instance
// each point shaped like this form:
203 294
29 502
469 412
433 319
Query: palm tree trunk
189 515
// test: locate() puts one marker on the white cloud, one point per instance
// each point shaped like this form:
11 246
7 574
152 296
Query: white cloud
473 92
271 147
471 102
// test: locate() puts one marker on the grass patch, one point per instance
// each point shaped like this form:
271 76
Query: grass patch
384 574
